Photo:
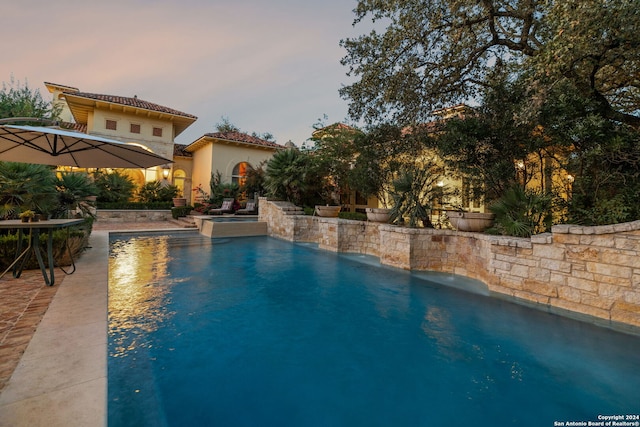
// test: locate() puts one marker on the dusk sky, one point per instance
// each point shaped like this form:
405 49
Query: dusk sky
268 66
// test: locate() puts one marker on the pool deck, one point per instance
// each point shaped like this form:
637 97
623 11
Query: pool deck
61 378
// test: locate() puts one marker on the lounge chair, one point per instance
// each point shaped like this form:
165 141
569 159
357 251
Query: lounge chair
250 209
227 207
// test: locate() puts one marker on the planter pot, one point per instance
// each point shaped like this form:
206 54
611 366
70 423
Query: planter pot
327 211
24 219
471 221
179 201
378 214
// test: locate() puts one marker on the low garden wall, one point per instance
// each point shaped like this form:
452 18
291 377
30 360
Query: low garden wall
123 215
592 271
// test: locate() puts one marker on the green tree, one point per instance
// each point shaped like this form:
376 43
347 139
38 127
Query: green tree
332 158
435 53
490 147
380 153
600 155
225 125
18 100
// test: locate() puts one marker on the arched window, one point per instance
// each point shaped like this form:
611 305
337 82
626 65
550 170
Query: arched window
239 174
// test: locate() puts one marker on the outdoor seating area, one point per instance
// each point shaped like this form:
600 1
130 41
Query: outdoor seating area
249 209
226 208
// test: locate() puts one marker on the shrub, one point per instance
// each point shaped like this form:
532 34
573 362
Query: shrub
114 187
155 191
76 244
357 216
177 212
522 213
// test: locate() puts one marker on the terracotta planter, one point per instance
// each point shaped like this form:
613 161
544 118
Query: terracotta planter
327 211
378 214
179 202
470 221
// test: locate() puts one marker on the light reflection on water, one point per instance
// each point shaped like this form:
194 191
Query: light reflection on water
138 309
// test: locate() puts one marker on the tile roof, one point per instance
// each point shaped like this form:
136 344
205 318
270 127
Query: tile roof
243 138
180 150
131 102
77 127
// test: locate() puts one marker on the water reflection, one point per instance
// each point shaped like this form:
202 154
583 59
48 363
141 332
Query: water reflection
437 325
138 299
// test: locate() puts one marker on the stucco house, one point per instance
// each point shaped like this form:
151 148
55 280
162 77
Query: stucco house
127 119
231 154
131 119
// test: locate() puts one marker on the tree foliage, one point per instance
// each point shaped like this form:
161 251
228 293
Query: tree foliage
114 187
332 158
225 125
286 176
18 100
490 147
521 212
412 192
156 191
603 159
73 190
435 53
25 186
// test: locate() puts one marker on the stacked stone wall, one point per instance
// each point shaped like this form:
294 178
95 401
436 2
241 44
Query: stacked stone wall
594 271
117 215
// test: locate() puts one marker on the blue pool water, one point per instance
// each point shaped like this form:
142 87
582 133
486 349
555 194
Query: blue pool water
261 332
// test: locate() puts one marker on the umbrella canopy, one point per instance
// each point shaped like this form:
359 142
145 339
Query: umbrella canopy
57 147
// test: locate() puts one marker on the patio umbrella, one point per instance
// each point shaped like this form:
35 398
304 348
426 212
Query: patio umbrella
57 147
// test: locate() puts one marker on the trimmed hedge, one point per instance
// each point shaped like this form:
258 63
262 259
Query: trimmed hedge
177 212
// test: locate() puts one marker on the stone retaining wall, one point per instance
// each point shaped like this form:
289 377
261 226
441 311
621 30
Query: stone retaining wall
593 271
143 215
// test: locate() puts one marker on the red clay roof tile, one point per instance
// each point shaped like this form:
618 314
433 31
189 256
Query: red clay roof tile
242 137
131 102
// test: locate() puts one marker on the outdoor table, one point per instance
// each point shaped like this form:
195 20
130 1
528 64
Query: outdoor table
35 228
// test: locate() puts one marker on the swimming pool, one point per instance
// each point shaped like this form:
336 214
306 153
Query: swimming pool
261 332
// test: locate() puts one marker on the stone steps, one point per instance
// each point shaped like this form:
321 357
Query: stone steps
184 222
